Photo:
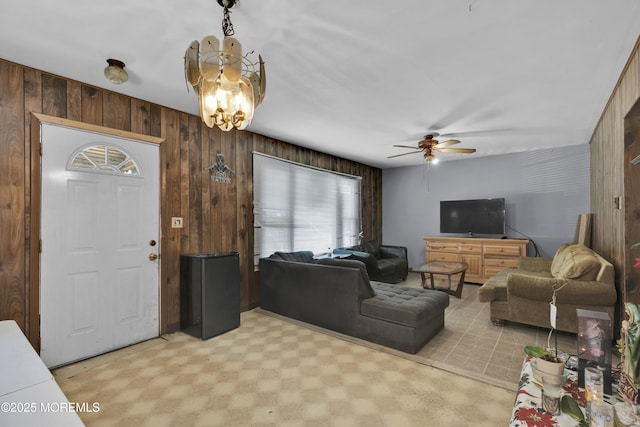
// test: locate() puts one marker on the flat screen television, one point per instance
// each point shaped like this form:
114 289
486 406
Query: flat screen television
479 216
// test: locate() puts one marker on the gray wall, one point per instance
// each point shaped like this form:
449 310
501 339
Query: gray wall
545 191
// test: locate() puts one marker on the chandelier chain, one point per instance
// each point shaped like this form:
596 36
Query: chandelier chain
227 26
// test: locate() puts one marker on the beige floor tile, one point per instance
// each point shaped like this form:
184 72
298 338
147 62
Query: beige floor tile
277 372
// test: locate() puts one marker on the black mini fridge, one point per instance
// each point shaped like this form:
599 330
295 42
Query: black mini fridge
209 293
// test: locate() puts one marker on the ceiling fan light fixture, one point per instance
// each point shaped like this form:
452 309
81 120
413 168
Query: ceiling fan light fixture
228 85
430 156
428 146
115 72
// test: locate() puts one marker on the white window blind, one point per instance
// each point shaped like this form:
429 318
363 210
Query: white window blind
298 207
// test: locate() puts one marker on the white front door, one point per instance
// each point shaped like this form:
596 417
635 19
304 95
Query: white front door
99 284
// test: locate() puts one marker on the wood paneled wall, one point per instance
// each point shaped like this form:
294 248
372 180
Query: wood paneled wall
609 167
217 217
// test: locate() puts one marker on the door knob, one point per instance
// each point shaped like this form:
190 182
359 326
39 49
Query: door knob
153 257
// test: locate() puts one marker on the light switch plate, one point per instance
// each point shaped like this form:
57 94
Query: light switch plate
617 201
176 222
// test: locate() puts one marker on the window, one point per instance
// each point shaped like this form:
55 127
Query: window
101 158
298 207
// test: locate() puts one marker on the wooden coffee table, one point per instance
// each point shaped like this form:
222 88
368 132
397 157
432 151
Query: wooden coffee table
445 268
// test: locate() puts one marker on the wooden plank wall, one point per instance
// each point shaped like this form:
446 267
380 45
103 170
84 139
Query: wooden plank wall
611 238
217 217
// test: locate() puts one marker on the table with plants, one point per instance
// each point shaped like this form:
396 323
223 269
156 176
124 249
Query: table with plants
528 409
565 402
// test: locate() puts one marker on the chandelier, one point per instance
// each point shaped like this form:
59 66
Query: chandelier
229 86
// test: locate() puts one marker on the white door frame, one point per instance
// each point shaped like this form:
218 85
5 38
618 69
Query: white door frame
33 316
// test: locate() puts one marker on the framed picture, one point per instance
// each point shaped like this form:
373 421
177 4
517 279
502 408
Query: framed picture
594 344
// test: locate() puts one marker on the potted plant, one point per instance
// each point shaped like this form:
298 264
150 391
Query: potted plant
545 361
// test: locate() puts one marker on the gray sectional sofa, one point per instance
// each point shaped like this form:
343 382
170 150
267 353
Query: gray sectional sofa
337 294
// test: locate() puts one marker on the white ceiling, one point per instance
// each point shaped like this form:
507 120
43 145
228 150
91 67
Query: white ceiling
352 78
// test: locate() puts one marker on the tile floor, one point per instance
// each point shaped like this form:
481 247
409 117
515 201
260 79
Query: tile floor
472 344
271 372
275 372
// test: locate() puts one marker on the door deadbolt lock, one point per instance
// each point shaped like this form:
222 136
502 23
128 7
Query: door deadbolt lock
153 257
152 243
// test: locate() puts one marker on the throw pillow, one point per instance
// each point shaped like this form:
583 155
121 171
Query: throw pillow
580 264
558 259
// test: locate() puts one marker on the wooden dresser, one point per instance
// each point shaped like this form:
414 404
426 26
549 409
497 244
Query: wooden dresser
484 256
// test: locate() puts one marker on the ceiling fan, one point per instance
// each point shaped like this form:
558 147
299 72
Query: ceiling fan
428 146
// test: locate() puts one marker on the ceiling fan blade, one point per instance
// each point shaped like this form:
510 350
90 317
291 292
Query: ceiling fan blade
447 143
407 146
404 154
457 150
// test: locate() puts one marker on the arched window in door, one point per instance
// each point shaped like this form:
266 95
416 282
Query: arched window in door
103 159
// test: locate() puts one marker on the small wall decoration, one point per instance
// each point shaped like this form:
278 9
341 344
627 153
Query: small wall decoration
219 170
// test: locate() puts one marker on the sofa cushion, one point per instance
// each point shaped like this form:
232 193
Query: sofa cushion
389 266
368 291
535 263
580 263
372 247
495 289
582 293
299 256
405 306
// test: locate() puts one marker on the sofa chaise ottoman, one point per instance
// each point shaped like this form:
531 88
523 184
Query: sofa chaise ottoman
336 294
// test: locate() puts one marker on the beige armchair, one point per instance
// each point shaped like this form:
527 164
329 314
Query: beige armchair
583 278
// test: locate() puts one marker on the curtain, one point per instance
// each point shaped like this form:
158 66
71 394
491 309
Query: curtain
299 207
